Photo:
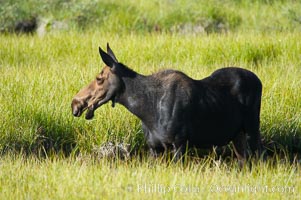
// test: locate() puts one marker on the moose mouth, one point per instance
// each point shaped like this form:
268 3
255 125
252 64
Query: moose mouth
90 112
79 110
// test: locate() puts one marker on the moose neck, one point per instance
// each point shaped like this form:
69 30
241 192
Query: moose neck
134 95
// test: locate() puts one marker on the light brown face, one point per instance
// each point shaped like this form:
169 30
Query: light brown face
98 92
104 88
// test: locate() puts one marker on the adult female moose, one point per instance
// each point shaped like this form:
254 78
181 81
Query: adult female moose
176 110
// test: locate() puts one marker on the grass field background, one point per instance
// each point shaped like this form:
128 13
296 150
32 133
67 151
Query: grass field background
46 153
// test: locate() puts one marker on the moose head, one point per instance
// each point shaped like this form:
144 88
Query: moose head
102 89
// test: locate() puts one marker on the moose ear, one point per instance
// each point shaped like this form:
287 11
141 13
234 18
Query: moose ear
107 59
110 52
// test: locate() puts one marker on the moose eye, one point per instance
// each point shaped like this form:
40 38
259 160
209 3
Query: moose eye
99 80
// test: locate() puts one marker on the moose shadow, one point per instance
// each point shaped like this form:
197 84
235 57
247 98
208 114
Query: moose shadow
50 136
56 136
280 146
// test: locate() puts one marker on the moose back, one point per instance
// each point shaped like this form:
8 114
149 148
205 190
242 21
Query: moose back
177 110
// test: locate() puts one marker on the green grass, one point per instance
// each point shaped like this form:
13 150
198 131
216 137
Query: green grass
85 178
46 153
140 16
40 76
43 74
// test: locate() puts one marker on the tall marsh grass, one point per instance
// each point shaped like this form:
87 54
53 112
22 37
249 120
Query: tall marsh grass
82 178
41 75
46 153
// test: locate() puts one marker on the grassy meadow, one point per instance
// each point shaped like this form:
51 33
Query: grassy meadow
46 153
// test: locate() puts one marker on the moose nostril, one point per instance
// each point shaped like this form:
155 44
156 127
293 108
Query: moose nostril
78 106
75 108
75 112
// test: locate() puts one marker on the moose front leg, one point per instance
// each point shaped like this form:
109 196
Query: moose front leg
178 152
152 147
153 152
240 145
